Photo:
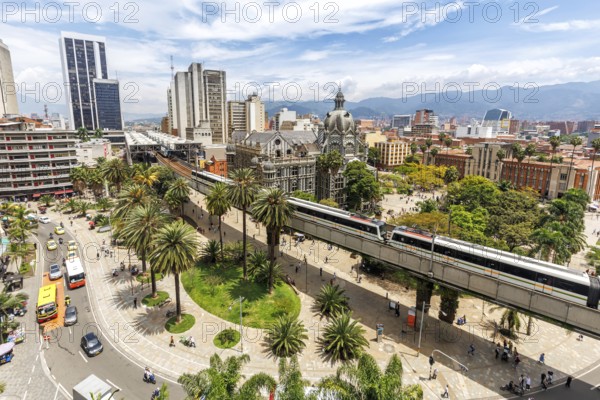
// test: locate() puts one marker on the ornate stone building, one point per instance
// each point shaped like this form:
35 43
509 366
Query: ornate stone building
288 159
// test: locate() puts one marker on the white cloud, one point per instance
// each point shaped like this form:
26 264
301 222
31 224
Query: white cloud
566 26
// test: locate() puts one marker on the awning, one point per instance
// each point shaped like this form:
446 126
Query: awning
63 192
35 195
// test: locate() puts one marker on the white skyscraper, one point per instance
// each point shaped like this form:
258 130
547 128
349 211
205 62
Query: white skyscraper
8 88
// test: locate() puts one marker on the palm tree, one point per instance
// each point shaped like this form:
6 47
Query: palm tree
286 336
365 380
441 138
146 177
530 151
343 339
291 385
272 209
79 178
141 226
270 273
519 154
9 301
511 320
434 152
130 197
448 143
257 261
82 134
596 146
241 195
103 203
554 143
332 300
221 379
218 203
115 171
83 207
575 141
178 194
174 251
46 200
71 204
95 181
211 250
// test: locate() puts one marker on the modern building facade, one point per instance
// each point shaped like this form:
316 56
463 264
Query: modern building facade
255 114
498 119
108 104
35 162
236 114
392 153
401 121
282 116
196 96
8 88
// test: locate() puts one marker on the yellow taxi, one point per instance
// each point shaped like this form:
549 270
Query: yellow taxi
59 230
72 245
51 245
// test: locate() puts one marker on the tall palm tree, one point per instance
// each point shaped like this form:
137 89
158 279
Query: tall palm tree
519 154
178 194
95 181
174 250
448 143
428 144
79 177
221 380
270 273
272 209
241 195
46 199
211 250
218 203
286 336
575 141
141 226
115 171
343 339
332 300
130 197
596 146
257 260
146 177
103 203
441 138
554 143
365 380
434 152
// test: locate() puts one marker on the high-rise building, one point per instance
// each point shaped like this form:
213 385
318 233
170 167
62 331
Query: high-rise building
84 64
8 88
498 119
401 121
197 96
283 115
236 114
255 114
423 117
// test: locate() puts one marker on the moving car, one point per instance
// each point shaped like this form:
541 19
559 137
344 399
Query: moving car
59 230
71 316
72 245
71 255
55 272
51 245
91 344
44 220
31 217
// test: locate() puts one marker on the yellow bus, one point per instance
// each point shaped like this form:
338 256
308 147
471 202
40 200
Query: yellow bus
47 307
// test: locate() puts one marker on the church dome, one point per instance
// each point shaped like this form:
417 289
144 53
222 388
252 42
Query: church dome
268 166
339 119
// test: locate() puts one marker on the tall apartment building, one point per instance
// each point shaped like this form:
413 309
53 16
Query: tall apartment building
401 121
392 153
424 116
197 96
8 88
255 114
93 100
282 116
35 162
236 115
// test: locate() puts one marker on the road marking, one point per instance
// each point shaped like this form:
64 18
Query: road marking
70 332
25 395
56 393
82 356
29 381
113 384
32 368
65 392
595 387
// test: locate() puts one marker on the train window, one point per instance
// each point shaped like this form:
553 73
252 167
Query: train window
570 286
544 279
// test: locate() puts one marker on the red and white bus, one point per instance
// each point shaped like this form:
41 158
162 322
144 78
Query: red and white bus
75 275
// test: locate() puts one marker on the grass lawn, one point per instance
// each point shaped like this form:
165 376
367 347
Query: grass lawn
160 297
216 289
146 279
187 321
227 339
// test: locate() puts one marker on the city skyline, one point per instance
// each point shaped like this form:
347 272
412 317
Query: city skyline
398 42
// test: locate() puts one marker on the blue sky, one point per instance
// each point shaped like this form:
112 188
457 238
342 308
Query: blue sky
372 48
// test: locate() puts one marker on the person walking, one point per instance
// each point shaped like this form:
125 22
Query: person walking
172 343
471 350
569 380
397 309
527 382
544 386
445 394
542 359
434 376
135 302
497 351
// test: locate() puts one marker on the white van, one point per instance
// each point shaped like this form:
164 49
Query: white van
299 237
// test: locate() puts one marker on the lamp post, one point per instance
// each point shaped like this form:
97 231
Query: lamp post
113 393
421 328
241 326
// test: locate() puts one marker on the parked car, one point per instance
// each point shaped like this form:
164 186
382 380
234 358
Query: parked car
59 230
51 245
91 344
31 217
71 316
55 272
44 220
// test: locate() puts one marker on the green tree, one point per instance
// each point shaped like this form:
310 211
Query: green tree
448 142
103 204
596 146
343 339
364 379
178 194
519 154
146 177
141 227
374 155
554 143
469 151
451 175
291 385
574 141
9 301
513 217
79 176
361 185
115 171
83 207
329 203
82 134
332 300
132 196
501 155
473 192
46 200
220 381
211 250
218 203
71 204
449 299
272 209
427 206
241 195
257 260
270 273
593 258
442 138
95 181
174 251
530 151
299 194
413 148
286 336
434 152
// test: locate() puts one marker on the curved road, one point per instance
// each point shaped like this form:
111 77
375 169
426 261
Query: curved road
64 356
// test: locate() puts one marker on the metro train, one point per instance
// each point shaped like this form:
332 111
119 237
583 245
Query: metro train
545 277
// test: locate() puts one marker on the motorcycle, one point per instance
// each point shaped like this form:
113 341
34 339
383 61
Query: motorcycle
149 377
115 272
134 271
67 300
60 241
155 394
187 341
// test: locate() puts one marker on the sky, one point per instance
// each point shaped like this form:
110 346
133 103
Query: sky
306 50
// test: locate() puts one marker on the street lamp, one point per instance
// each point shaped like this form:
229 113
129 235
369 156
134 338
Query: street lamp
113 393
241 326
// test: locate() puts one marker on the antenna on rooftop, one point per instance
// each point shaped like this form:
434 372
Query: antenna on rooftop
46 111
172 69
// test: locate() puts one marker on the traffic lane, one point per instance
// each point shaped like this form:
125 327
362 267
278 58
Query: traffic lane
66 358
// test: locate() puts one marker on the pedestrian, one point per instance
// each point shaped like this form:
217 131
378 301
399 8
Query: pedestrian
542 359
522 382
434 376
172 343
71 223
471 350
397 309
326 260
321 271
517 361
296 269
445 394
224 233
544 386
98 255
135 302
527 382
334 276
253 236
497 351
569 380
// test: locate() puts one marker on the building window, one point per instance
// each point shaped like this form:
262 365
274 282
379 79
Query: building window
563 177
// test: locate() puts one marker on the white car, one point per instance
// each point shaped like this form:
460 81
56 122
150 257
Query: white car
44 220
55 272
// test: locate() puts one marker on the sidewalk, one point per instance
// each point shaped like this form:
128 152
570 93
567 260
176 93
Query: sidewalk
140 332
